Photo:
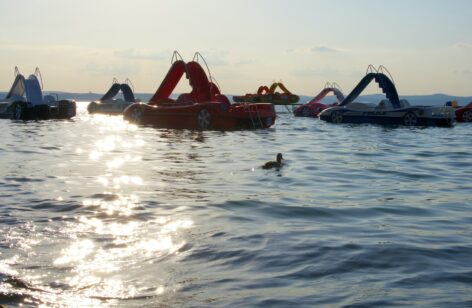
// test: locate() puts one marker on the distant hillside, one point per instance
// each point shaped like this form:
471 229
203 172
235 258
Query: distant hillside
434 99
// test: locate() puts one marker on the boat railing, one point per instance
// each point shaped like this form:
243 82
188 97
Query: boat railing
17 71
115 80
371 69
327 85
214 82
336 86
197 56
37 73
176 56
333 85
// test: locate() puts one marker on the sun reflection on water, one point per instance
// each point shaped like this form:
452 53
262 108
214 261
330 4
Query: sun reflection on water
75 252
98 268
113 204
115 143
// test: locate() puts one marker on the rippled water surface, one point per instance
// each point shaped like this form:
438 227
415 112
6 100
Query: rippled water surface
97 212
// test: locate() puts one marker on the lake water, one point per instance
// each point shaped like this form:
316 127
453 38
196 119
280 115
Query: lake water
97 212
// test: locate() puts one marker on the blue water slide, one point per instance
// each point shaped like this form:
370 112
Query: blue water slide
385 84
114 89
33 91
127 93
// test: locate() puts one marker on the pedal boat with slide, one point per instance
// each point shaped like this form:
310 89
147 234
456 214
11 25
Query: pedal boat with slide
390 111
204 108
269 95
109 103
463 113
25 101
314 106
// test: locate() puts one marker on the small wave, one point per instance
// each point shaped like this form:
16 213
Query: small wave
23 179
105 197
50 148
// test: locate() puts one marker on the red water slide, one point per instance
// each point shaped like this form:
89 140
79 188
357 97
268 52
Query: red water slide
199 82
169 83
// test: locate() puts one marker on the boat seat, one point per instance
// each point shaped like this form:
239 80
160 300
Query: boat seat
357 105
404 103
225 103
185 98
384 105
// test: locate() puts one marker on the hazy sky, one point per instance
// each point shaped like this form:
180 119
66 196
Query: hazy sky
81 45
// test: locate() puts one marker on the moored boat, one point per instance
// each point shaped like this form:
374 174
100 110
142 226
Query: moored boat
391 111
270 95
109 103
25 101
314 106
463 113
203 108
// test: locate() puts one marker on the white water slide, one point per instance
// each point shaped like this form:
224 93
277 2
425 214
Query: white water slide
29 87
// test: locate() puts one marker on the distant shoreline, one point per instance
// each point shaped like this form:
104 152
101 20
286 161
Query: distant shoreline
431 99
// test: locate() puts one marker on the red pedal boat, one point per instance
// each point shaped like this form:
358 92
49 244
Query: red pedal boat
204 108
314 107
463 113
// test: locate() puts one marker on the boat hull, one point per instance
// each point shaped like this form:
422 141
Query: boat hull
274 99
202 116
464 114
64 109
111 108
309 110
412 116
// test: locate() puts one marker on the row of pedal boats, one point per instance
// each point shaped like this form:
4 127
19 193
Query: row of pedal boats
204 107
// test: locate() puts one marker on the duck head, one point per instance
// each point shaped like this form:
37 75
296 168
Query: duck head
279 157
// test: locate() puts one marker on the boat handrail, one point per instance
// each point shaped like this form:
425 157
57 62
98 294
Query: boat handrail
371 69
176 55
336 86
115 80
198 55
382 69
128 82
214 81
37 73
17 71
327 85
333 85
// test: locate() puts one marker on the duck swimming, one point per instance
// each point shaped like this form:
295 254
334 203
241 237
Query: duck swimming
274 164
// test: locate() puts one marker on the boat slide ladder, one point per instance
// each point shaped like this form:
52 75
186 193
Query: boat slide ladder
254 114
380 70
198 56
383 70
